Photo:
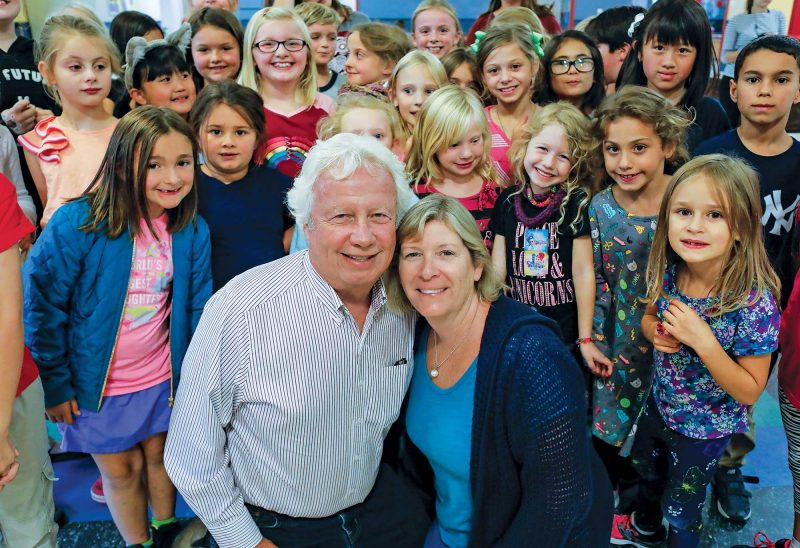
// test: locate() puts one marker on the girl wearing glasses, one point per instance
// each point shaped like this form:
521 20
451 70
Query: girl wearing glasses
574 72
278 64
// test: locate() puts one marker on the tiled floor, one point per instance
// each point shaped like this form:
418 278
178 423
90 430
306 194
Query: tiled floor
772 497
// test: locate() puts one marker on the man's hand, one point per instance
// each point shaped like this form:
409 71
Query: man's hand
8 461
63 412
21 117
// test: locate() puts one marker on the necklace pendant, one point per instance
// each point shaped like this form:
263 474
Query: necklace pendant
434 373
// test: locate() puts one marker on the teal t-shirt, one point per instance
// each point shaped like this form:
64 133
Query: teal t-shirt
439 422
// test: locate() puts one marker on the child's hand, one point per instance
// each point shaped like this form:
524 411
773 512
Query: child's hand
42 113
685 325
664 342
598 364
9 463
63 412
21 117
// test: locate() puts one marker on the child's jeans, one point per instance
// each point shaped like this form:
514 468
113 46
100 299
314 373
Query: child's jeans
675 471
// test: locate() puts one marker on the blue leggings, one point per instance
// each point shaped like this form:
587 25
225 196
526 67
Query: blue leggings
675 471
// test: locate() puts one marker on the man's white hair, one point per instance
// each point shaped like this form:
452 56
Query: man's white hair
338 158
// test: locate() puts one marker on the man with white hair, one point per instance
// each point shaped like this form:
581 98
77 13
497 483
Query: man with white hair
298 369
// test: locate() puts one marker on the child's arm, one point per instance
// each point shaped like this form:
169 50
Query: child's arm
37 175
10 357
744 377
499 256
583 277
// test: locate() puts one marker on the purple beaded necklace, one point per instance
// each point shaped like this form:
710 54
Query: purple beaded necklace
548 203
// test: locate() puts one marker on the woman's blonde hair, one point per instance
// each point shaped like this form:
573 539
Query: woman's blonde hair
415 58
669 122
445 118
332 125
441 5
58 28
250 77
437 207
576 129
746 269
389 42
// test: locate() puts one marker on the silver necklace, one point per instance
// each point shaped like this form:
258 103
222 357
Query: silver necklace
434 372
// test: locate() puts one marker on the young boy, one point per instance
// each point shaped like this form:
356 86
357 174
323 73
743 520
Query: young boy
323 26
26 475
765 85
610 30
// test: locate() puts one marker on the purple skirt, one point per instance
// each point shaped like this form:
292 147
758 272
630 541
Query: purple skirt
122 422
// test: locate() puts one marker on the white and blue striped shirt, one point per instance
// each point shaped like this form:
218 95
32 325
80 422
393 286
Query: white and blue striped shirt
283 402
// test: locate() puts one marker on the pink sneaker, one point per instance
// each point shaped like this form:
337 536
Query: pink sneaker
623 533
96 491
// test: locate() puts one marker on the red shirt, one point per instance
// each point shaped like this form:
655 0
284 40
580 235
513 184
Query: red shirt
13 227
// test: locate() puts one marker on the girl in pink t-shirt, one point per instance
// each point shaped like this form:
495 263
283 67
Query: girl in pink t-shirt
114 287
508 60
76 59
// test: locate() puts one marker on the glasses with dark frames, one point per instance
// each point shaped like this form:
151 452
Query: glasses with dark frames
562 66
271 46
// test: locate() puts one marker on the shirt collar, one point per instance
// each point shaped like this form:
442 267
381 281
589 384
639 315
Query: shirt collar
323 291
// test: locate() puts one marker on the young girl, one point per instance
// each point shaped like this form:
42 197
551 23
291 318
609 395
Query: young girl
129 253
574 72
76 59
157 73
323 26
216 47
673 54
638 137
280 67
243 203
508 60
462 69
124 26
450 154
542 247
435 27
713 319
417 75
374 50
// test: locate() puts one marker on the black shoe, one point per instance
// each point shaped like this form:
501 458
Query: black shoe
165 536
733 499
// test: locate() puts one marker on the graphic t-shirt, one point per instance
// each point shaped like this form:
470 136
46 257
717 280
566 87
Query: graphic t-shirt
290 137
141 357
539 258
480 205
686 394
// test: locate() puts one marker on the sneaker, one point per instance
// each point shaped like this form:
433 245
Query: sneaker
164 536
96 491
624 533
733 500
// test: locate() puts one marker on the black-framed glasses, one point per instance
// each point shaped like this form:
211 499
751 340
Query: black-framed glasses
562 66
271 46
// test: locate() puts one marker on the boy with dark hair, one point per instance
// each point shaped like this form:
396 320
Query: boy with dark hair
610 31
765 86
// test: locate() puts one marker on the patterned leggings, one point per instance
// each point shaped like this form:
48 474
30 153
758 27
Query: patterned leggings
675 471
791 423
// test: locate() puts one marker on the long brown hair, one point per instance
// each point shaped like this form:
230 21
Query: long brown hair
117 199
746 269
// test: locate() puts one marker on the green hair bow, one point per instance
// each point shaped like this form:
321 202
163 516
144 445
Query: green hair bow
536 38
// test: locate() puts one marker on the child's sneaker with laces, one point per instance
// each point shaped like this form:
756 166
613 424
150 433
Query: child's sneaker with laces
625 533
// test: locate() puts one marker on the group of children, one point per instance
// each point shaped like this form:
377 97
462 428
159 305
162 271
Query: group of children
571 151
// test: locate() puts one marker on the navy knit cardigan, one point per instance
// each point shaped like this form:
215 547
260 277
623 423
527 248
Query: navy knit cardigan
535 479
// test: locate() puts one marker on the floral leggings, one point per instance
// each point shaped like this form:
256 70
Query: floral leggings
675 471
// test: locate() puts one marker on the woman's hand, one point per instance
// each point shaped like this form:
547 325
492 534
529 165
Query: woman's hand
63 412
683 324
597 362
